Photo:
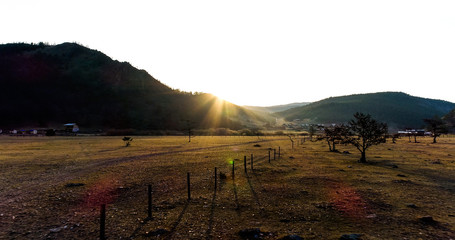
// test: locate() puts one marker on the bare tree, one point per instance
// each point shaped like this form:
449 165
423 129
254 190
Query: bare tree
436 126
335 135
311 132
189 128
365 132
292 141
127 141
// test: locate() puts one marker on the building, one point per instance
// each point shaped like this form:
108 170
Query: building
71 128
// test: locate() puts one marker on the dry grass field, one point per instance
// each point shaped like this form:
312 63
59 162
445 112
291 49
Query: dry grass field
52 188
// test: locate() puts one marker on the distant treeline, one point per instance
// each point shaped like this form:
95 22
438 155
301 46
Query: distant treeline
197 132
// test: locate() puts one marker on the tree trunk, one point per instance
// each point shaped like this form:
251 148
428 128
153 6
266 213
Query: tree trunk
333 149
434 139
363 159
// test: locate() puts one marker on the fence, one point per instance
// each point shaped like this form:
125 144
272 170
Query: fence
103 208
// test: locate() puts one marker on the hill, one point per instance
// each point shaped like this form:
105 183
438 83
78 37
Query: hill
276 108
44 85
397 109
450 119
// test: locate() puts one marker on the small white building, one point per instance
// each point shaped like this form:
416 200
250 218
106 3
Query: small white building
71 127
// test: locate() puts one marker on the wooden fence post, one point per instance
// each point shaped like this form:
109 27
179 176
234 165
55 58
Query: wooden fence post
269 156
103 222
244 163
274 153
279 152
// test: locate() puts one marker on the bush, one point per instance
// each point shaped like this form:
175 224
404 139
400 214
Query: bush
50 132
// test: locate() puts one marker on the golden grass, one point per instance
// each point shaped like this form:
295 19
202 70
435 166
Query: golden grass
308 191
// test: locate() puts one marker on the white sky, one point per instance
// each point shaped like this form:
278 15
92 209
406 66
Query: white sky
259 52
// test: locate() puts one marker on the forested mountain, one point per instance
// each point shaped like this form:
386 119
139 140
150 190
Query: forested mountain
450 120
398 109
43 85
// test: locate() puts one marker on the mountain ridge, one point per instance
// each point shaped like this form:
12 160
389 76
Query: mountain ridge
53 84
44 85
398 109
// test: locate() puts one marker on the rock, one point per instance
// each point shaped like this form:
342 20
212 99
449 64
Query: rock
346 152
291 237
427 220
251 233
303 192
411 205
158 232
437 161
285 220
291 157
55 230
402 181
349 166
353 236
401 175
222 175
256 145
371 216
74 184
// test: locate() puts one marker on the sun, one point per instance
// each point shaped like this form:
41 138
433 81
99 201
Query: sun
229 96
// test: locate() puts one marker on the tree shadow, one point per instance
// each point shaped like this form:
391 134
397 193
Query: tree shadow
212 211
177 222
236 198
445 182
141 225
255 195
255 177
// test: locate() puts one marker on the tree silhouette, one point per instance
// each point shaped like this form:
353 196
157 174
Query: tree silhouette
127 141
365 132
436 126
189 128
311 132
335 135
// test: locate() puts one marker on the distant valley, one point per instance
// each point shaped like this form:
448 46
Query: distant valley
276 108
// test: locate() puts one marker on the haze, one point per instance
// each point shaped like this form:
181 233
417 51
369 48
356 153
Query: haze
259 52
